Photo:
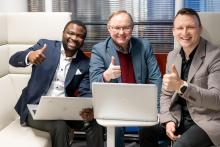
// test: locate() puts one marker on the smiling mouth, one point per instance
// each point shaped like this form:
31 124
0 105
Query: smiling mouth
185 38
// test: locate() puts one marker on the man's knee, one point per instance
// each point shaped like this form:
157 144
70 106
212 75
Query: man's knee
181 143
60 126
146 131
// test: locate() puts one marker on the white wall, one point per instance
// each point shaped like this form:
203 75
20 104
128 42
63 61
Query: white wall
13 6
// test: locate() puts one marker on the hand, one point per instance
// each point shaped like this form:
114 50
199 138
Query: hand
113 71
37 57
170 131
87 114
172 81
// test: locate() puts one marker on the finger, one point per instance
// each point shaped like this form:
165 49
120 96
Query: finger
113 60
171 136
43 49
173 70
116 67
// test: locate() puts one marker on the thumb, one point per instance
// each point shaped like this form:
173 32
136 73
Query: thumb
113 60
173 70
44 48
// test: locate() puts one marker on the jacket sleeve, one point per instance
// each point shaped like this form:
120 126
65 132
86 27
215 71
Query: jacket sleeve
97 65
84 86
154 75
205 89
165 101
18 59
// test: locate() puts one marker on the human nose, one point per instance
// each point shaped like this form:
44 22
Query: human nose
185 30
121 30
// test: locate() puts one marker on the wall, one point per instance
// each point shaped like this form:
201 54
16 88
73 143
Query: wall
13 6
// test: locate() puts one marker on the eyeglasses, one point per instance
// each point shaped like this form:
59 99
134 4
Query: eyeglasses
117 29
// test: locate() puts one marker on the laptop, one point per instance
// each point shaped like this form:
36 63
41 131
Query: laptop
59 108
122 101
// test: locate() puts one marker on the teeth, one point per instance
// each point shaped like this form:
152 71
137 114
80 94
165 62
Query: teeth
185 38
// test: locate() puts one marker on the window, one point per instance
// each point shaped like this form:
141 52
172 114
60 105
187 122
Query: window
36 6
203 5
153 18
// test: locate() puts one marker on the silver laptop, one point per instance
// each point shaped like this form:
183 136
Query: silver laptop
59 108
121 101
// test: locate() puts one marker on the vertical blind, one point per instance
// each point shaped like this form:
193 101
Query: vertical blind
36 6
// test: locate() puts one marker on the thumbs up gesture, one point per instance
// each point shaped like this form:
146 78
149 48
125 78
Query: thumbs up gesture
37 57
172 81
113 71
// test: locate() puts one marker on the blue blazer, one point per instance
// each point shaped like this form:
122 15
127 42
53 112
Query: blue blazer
42 75
145 65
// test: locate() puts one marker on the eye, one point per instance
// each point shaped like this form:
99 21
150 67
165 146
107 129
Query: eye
179 28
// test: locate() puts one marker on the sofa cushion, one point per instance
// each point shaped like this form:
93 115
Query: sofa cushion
34 25
3 29
4 60
15 135
19 81
8 100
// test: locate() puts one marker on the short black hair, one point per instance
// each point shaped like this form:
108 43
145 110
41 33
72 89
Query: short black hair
189 11
79 23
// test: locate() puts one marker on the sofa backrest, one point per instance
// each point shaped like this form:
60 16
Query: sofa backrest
19 31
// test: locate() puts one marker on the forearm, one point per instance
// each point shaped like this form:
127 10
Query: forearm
208 98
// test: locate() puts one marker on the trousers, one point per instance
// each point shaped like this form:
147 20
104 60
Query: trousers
191 136
59 131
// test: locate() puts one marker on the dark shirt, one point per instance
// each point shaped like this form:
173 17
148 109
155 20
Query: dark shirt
184 76
127 70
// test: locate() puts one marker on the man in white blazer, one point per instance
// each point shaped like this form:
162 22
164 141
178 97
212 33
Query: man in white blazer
190 100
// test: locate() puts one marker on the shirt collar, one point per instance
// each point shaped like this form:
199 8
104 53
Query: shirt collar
191 55
119 49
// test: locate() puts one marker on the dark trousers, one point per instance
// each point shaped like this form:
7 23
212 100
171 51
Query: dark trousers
191 136
59 131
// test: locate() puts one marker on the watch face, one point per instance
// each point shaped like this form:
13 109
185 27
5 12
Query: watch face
183 89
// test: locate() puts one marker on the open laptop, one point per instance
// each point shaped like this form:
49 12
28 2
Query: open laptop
121 101
59 108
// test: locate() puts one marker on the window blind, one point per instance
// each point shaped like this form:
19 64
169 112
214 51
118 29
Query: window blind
203 5
36 6
153 18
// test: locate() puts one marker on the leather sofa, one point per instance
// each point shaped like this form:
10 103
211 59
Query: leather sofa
19 31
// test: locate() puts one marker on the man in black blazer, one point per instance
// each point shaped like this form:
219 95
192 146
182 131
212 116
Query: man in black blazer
58 69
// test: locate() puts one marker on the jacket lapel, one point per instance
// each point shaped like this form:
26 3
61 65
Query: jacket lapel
197 60
137 63
111 51
73 67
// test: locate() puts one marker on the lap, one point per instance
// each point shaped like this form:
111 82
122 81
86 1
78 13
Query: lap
193 137
47 125
157 132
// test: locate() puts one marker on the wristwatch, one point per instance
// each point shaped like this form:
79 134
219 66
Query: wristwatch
183 87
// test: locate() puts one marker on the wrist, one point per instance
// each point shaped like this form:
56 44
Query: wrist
106 77
183 87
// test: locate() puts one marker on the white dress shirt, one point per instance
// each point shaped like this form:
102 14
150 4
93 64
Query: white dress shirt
57 85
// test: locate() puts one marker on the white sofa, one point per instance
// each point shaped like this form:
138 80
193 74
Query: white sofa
19 31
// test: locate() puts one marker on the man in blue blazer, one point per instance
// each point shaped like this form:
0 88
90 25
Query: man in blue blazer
122 58
58 69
